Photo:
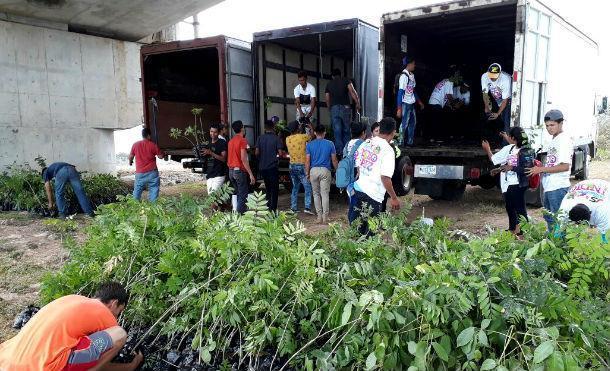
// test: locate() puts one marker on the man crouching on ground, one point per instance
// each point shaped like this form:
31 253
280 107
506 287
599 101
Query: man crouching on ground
72 333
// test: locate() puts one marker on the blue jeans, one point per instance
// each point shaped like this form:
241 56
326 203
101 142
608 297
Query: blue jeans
62 177
148 180
407 124
298 177
552 202
360 201
240 183
341 117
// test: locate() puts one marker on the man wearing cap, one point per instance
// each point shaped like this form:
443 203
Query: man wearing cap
405 102
589 201
556 169
496 86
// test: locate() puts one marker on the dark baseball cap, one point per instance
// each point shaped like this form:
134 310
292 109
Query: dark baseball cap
553 115
494 70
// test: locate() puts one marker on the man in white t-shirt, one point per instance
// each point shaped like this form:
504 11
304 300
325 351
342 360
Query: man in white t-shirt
405 102
304 98
589 201
496 86
556 169
375 162
442 94
461 95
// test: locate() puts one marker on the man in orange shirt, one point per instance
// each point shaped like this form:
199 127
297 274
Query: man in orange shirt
72 333
239 166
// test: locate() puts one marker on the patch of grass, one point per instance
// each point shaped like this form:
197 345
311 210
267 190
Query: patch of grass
16 275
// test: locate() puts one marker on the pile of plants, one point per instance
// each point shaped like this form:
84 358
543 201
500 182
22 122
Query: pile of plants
22 189
224 291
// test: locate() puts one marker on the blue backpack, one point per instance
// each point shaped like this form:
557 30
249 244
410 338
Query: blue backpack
345 171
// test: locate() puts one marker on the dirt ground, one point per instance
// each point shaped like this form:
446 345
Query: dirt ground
31 247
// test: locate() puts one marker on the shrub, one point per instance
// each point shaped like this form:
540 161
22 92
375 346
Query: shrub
256 291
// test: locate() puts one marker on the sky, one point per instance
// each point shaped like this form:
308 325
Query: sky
241 18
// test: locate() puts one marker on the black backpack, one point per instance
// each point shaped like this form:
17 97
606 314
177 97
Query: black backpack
525 160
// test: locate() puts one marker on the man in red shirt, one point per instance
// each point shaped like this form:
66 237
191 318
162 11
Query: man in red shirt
72 333
147 175
239 167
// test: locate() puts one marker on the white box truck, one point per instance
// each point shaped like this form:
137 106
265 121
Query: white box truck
552 64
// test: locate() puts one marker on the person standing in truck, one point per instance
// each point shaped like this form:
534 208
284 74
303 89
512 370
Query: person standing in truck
461 95
556 169
147 174
64 173
304 98
405 102
268 147
337 94
588 201
217 160
239 166
496 86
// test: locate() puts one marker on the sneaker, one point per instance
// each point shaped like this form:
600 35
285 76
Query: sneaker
309 212
294 211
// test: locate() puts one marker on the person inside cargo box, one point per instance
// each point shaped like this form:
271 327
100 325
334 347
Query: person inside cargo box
337 94
405 102
304 98
496 87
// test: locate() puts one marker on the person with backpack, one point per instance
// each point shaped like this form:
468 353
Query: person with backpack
346 171
405 101
375 161
513 180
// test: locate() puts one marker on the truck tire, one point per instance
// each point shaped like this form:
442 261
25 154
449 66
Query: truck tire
583 174
402 180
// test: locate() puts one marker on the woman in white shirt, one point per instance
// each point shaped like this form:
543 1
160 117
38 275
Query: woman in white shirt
508 159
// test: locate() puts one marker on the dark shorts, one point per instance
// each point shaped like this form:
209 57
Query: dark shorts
88 351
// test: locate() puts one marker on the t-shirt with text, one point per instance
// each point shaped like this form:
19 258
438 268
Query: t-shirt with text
508 155
500 89
46 341
374 159
296 147
440 93
595 194
407 83
145 152
558 151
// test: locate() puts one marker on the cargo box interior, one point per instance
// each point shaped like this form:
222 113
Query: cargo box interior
180 81
280 59
471 40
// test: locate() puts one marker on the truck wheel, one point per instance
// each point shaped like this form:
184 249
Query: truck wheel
583 174
488 181
402 180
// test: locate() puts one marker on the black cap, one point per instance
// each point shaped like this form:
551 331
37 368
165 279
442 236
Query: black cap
494 70
293 126
553 115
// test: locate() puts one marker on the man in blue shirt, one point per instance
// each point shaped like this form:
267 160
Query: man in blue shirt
64 173
320 154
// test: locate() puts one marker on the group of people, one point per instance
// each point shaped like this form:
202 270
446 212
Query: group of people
451 94
587 201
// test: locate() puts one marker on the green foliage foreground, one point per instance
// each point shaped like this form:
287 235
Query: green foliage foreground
414 297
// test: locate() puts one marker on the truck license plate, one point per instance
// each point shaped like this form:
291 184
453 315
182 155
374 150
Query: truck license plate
427 169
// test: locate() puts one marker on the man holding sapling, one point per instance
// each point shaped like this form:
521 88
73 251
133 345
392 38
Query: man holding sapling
64 173
72 333
216 155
